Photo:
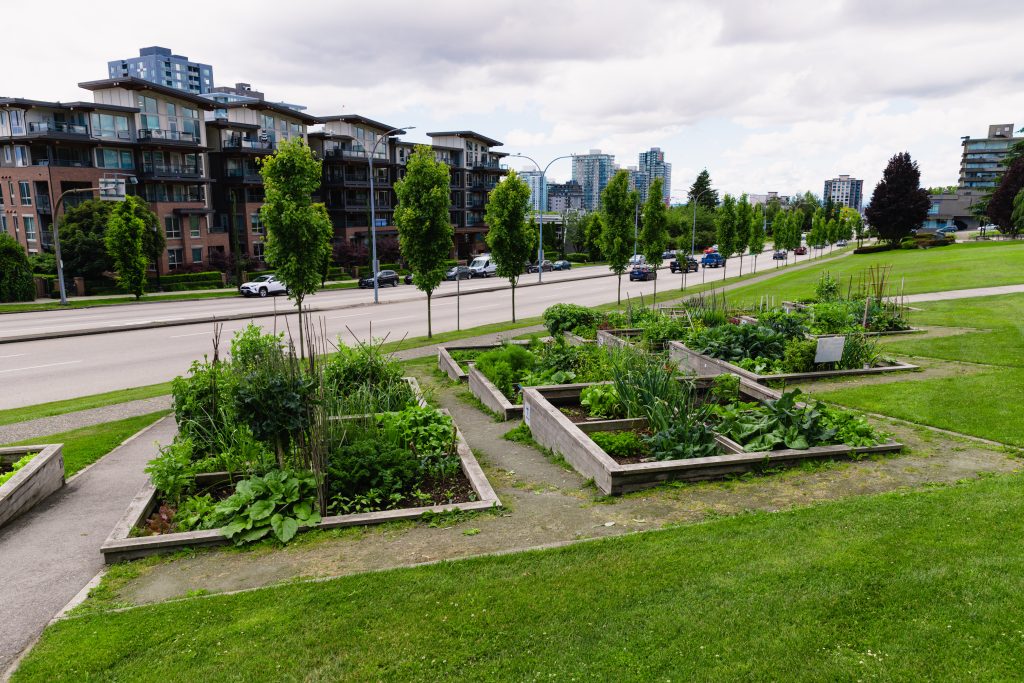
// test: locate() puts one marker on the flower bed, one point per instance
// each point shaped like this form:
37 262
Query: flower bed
709 428
28 475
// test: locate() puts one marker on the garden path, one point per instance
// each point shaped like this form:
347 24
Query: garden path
963 293
51 552
56 424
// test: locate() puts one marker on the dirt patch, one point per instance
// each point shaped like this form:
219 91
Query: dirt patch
547 503
930 368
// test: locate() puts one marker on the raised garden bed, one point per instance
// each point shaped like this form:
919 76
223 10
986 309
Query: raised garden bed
122 545
33 481
491 396
456 367
576 340
704 365
555 430
794 306
619 338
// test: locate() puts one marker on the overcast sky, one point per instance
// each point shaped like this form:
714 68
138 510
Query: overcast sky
767 95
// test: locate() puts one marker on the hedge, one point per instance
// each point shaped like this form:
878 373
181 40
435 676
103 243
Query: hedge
577 257
872 249
212 276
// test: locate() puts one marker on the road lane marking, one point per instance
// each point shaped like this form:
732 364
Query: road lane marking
48 365
193 334
13 355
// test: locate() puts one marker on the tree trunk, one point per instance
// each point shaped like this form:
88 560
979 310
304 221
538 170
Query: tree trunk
302 348
725 267
619 295
654 300
741 265
755 263
430 331
513 300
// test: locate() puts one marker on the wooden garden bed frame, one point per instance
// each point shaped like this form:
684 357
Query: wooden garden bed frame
34 482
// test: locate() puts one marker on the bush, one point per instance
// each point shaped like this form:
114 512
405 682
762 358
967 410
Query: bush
576 257
506 366
15 273
827 288
567 317
799 355
873 248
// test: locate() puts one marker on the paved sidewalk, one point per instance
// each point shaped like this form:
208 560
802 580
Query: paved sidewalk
963 293
51 552
44 426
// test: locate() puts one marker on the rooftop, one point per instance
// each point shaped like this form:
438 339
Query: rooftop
132 83
491 142
356 118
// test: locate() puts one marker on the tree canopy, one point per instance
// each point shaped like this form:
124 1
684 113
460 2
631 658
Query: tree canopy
1001 202
83 236
618 206
510 238
654 231
727 228
424 225
702 192
125 239
898 204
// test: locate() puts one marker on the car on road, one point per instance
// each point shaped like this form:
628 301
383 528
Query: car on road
800 251
690 265
561 265
642 272
948 230
841 243
546 265
782 254
264 285
637 259
458 273
712 260
670 253
408 278
483 266
384 277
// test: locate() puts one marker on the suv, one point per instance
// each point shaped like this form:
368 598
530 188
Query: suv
458 273
691 265
384 277
546 266
262 286
483 266
643 273
712 260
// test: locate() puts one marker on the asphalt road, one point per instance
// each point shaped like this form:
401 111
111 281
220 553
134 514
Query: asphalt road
54 369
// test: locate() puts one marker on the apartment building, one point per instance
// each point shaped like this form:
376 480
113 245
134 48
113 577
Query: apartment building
652 165
566 196
538 185
845 191
981 163
593 171
157 65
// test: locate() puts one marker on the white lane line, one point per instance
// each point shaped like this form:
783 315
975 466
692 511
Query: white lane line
194 334
13 355
35 367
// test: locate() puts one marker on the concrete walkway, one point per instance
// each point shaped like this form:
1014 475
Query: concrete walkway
50 553
44 426
963 293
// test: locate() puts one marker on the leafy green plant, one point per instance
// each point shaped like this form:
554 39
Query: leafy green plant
624 444
250 348
789 324
684 439
735 342
15 466
725 388
834 317
850 428
773 424
505 366
602 400
201 398
799 355
568 317
278 504
827 288
173 472
662 328
860 351
195 512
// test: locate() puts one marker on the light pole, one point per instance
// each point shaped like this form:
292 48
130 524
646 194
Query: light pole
373 211
543 183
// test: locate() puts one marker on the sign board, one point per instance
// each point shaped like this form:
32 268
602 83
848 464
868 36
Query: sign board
526 414
830 349
380 222
112 189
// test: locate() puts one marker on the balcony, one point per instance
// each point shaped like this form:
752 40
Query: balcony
43 204
486 165
243 143
66 163
244 174
50 127
341 153
172 171
162 193
174 136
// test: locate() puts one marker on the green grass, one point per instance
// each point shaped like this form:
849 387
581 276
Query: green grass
960 266
13 415
86 445
902 586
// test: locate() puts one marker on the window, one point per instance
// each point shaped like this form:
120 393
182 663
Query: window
193 228
7 154
20 156
25 191
3 118
175 258
3 223
2 195
16 125
30 228
109 126
197 254
254 222
114 158
172 227
257 251
148 104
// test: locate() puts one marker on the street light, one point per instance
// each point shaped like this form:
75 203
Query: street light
543 184
373 211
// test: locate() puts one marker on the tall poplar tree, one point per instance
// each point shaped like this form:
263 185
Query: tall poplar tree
756 235
654 232
726 225
617 211
126 244
509 237
744 213
424 226
899 204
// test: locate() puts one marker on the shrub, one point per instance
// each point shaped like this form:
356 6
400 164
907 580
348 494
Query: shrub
873 248
202 400
799 355
827 288
15 274
251 348
506 366
576 257
619 444
568 317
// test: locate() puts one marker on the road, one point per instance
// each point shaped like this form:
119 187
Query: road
55 369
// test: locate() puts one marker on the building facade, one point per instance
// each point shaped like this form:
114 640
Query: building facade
762 199
652 165
981 163
845 191
157 65
538 189
566 196
593 172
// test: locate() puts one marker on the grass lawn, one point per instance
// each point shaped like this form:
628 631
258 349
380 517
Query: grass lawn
86 445
960 266
13 415
902 586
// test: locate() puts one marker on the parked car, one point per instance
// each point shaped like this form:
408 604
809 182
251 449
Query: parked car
458 273
782 254
546 266
637 259
948 230
384 277
712 260
643 272
264 285
711 250
671 253
562 265
800 251
690 265
842 243
408 278
483 266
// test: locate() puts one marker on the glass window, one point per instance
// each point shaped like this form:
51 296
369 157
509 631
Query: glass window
2 195
257 251
175 258
126 159
26 193
172 227
254 223
193 227
148 104
7 154
149 121
268 122
20 156
197 254
171 110
30 227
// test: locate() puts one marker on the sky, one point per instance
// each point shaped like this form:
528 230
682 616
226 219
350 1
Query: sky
768 96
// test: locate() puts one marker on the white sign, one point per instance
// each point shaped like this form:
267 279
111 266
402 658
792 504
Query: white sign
112 189
830 349
526 414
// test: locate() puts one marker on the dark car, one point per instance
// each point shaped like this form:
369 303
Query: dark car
384 277
643 273
546 266
712 260
690 265
670 253
800 251
458 273
780 255
561 265
408 278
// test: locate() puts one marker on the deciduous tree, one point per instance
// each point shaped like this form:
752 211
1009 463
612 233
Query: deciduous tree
756 235
617 211
15 272
744 214
83 236
898 204
509 236
654 232
125 240
727 228
424 227
1001 203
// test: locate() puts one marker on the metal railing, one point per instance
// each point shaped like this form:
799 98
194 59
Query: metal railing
171 135
172 169
238 142
57 127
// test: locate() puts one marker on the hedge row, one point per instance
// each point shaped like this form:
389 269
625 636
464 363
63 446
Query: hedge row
872 248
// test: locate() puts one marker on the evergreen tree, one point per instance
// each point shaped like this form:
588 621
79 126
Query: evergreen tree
654 231
702 192
424 225
509 237
617 212
898 204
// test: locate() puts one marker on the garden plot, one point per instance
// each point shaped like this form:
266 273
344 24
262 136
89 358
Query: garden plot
455 361
650 426
28 474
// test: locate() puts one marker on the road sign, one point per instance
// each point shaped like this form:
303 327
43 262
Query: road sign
112 189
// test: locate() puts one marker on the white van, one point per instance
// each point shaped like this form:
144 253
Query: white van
483 266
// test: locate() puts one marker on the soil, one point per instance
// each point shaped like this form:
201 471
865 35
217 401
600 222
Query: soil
547 503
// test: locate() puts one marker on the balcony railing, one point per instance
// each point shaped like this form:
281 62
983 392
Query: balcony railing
57 127
244 173
172 170
43 204
238 142
492 165
109 134
161 194
339 153
68 163
169 135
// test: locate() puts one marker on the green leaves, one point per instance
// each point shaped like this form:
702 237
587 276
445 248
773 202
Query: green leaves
424 226
601 400
280 502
